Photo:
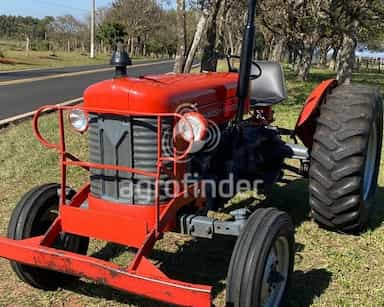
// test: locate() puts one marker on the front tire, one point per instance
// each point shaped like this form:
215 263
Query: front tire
32 217
262 261
345 158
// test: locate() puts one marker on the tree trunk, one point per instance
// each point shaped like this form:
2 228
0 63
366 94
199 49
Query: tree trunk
181 37
323 56
333 63
132 52
290 55
266 52
278 50
295 56
223 20
306 62
346 59
27 45
230 40
196 40
209 59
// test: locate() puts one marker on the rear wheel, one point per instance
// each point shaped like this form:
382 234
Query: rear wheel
345 158
32 217
262 261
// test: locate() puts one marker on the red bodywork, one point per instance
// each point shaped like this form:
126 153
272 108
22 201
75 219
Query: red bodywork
213 95
306 123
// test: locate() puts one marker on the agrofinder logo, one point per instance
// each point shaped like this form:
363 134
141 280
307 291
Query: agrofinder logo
207 188
203 133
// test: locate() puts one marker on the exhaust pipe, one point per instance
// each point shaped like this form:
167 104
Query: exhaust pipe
120 59
246 60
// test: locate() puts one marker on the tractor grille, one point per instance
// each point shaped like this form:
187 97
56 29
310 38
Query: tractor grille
130 142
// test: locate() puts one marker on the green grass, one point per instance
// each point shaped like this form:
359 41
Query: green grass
17 60
14 58
330 269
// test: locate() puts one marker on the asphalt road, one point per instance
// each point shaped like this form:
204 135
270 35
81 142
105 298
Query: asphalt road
21 98
35 73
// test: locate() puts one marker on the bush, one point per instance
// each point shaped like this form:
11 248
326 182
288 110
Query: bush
40 46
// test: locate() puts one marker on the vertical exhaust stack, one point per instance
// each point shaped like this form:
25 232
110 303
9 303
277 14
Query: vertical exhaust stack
246 60
120 59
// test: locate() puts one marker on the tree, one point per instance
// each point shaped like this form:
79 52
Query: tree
65 30
196 40
308 27
181 36
140 19
110 32
274 23
209 59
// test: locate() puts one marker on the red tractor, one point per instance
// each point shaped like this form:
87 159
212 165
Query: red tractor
146 134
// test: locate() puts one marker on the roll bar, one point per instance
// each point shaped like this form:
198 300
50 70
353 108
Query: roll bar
246 60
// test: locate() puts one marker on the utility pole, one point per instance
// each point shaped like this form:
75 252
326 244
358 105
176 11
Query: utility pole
93 13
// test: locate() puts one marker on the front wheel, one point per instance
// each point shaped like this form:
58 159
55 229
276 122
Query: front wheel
32 217
262 261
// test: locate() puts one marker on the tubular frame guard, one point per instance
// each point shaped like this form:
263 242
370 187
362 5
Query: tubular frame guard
144 224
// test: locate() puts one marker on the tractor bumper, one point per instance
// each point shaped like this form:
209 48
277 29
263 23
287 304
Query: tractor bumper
146 280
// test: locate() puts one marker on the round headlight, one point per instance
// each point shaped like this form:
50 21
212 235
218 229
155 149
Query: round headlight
192 127
79 120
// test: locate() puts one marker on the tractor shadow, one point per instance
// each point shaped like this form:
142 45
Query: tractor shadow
99 291
306 286
204 261
377 215
200 261
110 252
292 197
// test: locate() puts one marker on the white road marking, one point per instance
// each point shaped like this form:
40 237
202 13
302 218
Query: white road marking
79 73
20 117
53 68
10 120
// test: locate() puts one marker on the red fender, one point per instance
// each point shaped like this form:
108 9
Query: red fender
306 123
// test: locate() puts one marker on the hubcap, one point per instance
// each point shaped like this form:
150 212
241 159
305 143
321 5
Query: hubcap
370 163
275 273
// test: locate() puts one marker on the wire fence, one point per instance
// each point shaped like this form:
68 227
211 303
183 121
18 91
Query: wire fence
372 65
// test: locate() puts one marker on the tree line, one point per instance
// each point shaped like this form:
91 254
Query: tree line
287 30
49 33
146 26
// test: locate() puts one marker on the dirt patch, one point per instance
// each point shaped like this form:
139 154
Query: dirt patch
7 61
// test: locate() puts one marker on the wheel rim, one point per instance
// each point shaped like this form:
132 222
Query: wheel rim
370 163
275 273
44 220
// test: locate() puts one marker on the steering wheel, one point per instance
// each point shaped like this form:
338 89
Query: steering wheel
251 77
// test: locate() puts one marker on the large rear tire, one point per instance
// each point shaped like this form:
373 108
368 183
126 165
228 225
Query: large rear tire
345 158
32 217
262 261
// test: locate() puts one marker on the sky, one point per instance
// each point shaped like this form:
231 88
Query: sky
371 54
41 8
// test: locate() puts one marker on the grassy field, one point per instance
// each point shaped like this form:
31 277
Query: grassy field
330 269
13 57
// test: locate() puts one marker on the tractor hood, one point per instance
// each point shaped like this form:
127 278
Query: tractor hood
213 94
